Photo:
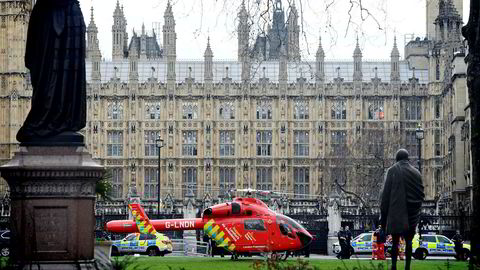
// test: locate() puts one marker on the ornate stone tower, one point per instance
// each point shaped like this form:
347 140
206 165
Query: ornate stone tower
170 42
320 64
394 60
278 33
119 33
243 32
208 56
432 14
14 77
447 37
293 33
357 63
143 44
93 48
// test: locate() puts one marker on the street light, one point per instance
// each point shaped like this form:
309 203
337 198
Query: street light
159 144
419 132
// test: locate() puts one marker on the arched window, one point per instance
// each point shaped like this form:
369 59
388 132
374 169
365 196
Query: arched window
301 180
376 110
114 110
152 110
300 110
190 110
264 178
264 110
227 110
226 180
339 109
151 183
189 181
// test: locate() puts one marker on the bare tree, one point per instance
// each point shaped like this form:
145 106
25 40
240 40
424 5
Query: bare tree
358 169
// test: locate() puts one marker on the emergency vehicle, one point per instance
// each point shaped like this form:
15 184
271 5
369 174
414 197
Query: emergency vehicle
150 244
360 244
433 244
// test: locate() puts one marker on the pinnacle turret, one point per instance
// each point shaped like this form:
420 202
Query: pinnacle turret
320 62
357 63
394 62
357 52
320 51
119 33
243 31
395 52
208 50
208 72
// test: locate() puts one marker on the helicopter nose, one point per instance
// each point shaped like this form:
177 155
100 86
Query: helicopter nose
305 238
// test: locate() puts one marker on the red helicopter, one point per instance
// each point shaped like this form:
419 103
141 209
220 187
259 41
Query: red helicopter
244 226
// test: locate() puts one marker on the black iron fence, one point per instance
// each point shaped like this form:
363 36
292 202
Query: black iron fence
317 225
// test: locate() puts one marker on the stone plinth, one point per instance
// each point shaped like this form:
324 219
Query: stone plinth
52 192
334 224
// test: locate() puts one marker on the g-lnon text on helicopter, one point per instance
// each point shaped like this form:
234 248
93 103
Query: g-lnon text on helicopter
244 226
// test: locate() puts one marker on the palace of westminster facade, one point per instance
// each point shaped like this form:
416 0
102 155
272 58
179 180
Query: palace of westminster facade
268 120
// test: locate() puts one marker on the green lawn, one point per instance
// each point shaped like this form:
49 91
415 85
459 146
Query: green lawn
176 263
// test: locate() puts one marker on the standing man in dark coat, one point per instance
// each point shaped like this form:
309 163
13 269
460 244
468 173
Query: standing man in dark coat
401 202
55 56
458 241
348 238
342 240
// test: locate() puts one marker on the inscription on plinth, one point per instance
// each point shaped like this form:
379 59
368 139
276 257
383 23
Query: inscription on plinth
51 225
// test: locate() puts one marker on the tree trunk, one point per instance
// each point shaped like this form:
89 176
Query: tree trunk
471 32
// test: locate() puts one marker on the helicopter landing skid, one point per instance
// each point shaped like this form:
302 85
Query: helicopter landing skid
234 256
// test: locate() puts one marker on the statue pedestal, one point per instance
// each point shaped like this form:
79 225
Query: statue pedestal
334 225
52 192
190 237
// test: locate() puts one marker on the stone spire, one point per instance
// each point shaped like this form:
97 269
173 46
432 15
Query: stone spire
293 33
277 34
208 69
395 61
170 42
243 32
357 63
283 69
143 43
320 62
93 48
119 33
92 35
133 60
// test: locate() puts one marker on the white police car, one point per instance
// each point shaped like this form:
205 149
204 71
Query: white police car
433 244
149 244
360 244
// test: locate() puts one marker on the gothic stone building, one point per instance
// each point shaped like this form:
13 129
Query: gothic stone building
272 122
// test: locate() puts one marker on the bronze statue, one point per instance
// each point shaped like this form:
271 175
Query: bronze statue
55 56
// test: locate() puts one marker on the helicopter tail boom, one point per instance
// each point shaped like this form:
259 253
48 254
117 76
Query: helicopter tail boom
129 226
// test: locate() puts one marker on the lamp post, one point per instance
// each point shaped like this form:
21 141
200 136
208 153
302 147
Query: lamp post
159 144
419 133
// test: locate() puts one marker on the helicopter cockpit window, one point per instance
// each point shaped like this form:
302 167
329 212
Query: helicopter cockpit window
292 223
284 228
254 225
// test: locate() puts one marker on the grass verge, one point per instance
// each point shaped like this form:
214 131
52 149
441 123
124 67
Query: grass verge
180 263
